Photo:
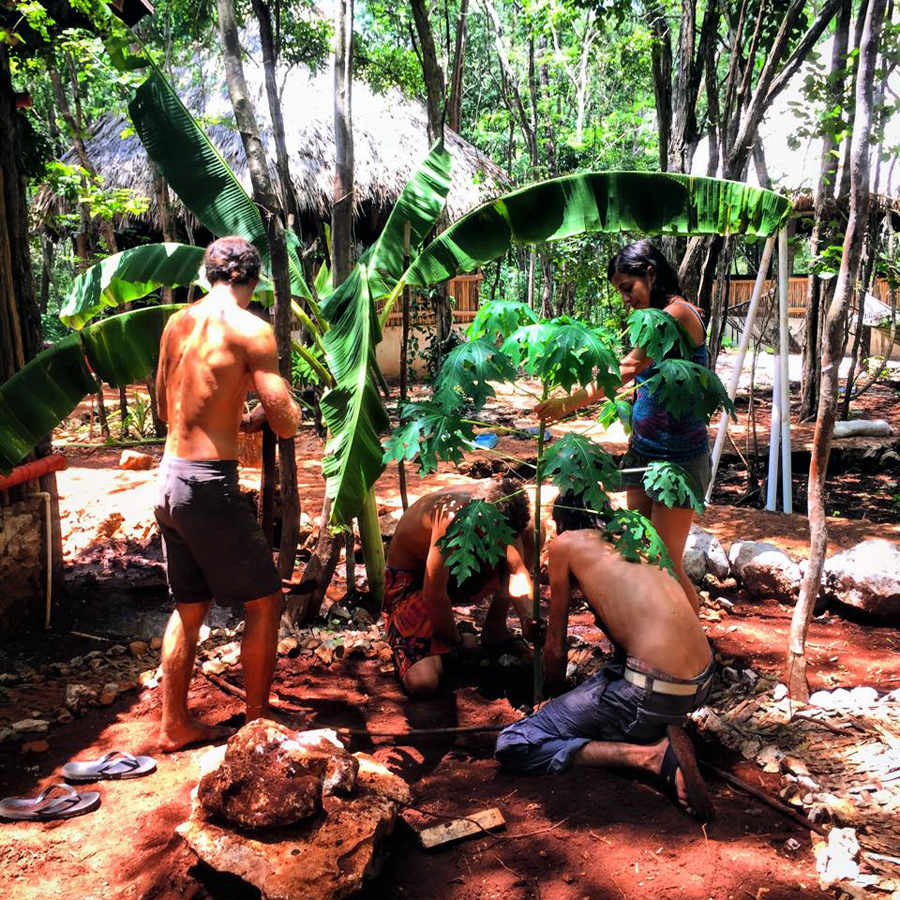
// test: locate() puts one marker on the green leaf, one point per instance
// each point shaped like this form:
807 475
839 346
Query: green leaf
575 463
658 334
671 483
467 371
563 353
635 538
128 276
352 410
476 538
420 203
613 410
681 386
40 396
500 318
124 349
592 202
433 434
322 284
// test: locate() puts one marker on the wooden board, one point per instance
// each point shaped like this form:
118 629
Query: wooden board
447 832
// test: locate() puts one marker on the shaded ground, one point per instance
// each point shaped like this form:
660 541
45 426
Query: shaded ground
594 835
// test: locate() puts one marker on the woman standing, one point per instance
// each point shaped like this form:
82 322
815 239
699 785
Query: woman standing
644 278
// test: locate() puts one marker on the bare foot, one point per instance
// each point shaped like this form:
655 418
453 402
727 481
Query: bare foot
280 717
654 764
174 737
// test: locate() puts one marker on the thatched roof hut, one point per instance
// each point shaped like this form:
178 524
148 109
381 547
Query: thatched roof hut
389 133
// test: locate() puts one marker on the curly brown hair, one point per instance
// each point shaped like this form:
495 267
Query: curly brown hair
233 260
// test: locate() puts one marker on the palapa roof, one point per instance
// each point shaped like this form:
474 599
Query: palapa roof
389 136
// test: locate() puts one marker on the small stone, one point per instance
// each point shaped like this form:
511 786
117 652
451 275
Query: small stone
730 675
97 664
135 461
822 699
9 678
6 734
568 878
63 716
148 679
138 648
205 633
116 650
94 654
325 654
213 667
76 662
311 643
35 747
127 686
155 642
80 695
288 646
363 617
27 726
792 845
864 696
109 693
385 654
780 692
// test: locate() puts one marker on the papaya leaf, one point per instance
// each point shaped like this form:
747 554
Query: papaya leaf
658 334
432 433
635 538
525 346
467 371
500 318
681 386
477 537
672 486
577 354
613 410
575 463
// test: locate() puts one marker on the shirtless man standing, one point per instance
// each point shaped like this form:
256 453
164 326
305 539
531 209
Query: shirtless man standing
629 714
420 592
211 354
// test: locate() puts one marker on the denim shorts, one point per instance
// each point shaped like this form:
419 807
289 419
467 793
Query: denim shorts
606 707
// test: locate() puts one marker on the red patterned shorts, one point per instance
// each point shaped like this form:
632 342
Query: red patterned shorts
410 631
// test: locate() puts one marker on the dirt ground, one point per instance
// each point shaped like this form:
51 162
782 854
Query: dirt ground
583 835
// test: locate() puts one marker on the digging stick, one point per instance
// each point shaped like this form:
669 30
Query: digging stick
536 563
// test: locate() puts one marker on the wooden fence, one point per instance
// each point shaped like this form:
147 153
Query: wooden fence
741 290
464 291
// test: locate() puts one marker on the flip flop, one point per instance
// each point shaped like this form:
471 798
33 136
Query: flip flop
680 755
45 808
113 765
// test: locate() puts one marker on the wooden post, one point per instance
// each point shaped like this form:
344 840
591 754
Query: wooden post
785 357
774 438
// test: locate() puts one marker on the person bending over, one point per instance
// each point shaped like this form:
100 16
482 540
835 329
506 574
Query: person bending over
629 714
420 592
211 354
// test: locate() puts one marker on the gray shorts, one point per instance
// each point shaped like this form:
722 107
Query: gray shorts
212 543
697 470
606 707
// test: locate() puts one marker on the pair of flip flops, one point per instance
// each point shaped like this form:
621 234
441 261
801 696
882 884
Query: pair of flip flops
60 801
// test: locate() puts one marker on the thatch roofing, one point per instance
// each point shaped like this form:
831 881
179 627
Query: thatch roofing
389 132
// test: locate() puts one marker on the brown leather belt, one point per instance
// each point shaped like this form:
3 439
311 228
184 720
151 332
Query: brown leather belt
657 685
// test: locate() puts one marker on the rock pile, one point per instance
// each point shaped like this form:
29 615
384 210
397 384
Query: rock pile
320 856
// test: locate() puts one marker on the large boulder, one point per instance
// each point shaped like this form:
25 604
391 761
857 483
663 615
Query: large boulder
867 577
271 776
324 858
765 570
704 555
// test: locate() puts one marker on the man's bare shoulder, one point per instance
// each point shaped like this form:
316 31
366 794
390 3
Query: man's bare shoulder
584 540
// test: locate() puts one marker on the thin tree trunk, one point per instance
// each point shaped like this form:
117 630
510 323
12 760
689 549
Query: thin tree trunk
809 386
266 198
834 325
431 70
454 103
47 247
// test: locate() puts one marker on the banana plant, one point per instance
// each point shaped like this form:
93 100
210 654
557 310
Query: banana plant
561 353
120 350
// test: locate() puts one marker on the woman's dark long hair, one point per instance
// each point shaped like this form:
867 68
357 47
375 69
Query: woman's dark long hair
635 259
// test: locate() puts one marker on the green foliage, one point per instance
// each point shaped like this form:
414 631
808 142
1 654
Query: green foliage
612 410
140 417
467 371
565 352
634 537
432 434
302 372
683 386
477 537
575 463
78 187
673 487
658 334
500 318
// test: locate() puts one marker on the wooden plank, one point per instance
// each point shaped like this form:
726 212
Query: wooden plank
458 829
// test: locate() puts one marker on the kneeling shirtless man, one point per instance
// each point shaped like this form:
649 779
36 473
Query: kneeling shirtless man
628 715
420 592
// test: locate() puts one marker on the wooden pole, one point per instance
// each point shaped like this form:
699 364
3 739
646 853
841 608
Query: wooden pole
785 358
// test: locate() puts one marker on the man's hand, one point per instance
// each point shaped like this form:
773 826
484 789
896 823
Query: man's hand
253 421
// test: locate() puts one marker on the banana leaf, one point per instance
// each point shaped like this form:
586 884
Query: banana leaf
128 276
590 202
352 410
123 349
39 396
198 173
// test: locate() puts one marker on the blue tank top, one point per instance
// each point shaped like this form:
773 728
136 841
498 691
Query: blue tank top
658 434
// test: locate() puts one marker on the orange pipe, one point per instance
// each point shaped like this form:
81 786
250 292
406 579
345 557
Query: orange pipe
31 470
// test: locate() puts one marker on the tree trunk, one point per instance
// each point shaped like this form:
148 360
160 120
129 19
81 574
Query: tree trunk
47 247
834 327
809 387
431 71
167 227
266 198
454 103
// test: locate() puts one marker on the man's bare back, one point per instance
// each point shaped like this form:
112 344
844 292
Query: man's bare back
211 354
642 607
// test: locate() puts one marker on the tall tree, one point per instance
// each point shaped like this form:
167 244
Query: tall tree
832 348
267 199
432 72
